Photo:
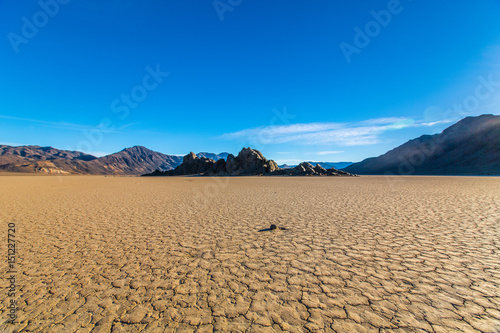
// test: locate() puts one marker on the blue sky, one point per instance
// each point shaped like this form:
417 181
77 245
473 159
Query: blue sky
298 80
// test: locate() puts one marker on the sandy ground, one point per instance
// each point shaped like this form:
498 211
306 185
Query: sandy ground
115 254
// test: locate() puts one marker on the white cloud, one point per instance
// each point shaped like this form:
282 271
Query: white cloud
12 143
289 161
361 133
379 121
432 123
71 126
97 153
329 152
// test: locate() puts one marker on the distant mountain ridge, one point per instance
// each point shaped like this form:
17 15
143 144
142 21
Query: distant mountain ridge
212 156
135 160
40 153
326 165
30 159
469 147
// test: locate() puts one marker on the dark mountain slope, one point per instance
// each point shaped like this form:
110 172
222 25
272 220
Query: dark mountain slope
130 161
134 161
469 147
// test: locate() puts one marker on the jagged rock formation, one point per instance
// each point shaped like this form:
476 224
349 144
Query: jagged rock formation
248 162
192 165
307 169
219 168
326 165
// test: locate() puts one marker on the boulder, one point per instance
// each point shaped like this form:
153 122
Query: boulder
231 164
335 172
189 157
272 166
192 165
251 161
218 169
303 169
306 169
319 169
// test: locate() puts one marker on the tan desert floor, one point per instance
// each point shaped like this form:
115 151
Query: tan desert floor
130 254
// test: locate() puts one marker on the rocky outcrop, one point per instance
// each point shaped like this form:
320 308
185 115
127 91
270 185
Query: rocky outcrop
248 162
326 165
307 169
319 169
193 165
218 168
231 164
251 162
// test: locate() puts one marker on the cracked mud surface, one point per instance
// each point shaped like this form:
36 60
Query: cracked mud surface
110 254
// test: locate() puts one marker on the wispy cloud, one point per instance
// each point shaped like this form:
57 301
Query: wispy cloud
71 126
432 123
289 161
383 121
98 153
360 133
66 125
329 152
11 143
56 124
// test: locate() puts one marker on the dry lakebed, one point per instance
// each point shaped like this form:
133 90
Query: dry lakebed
184 254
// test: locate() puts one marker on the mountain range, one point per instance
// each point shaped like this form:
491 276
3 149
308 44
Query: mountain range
214 157
135 160
469 147
130 161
